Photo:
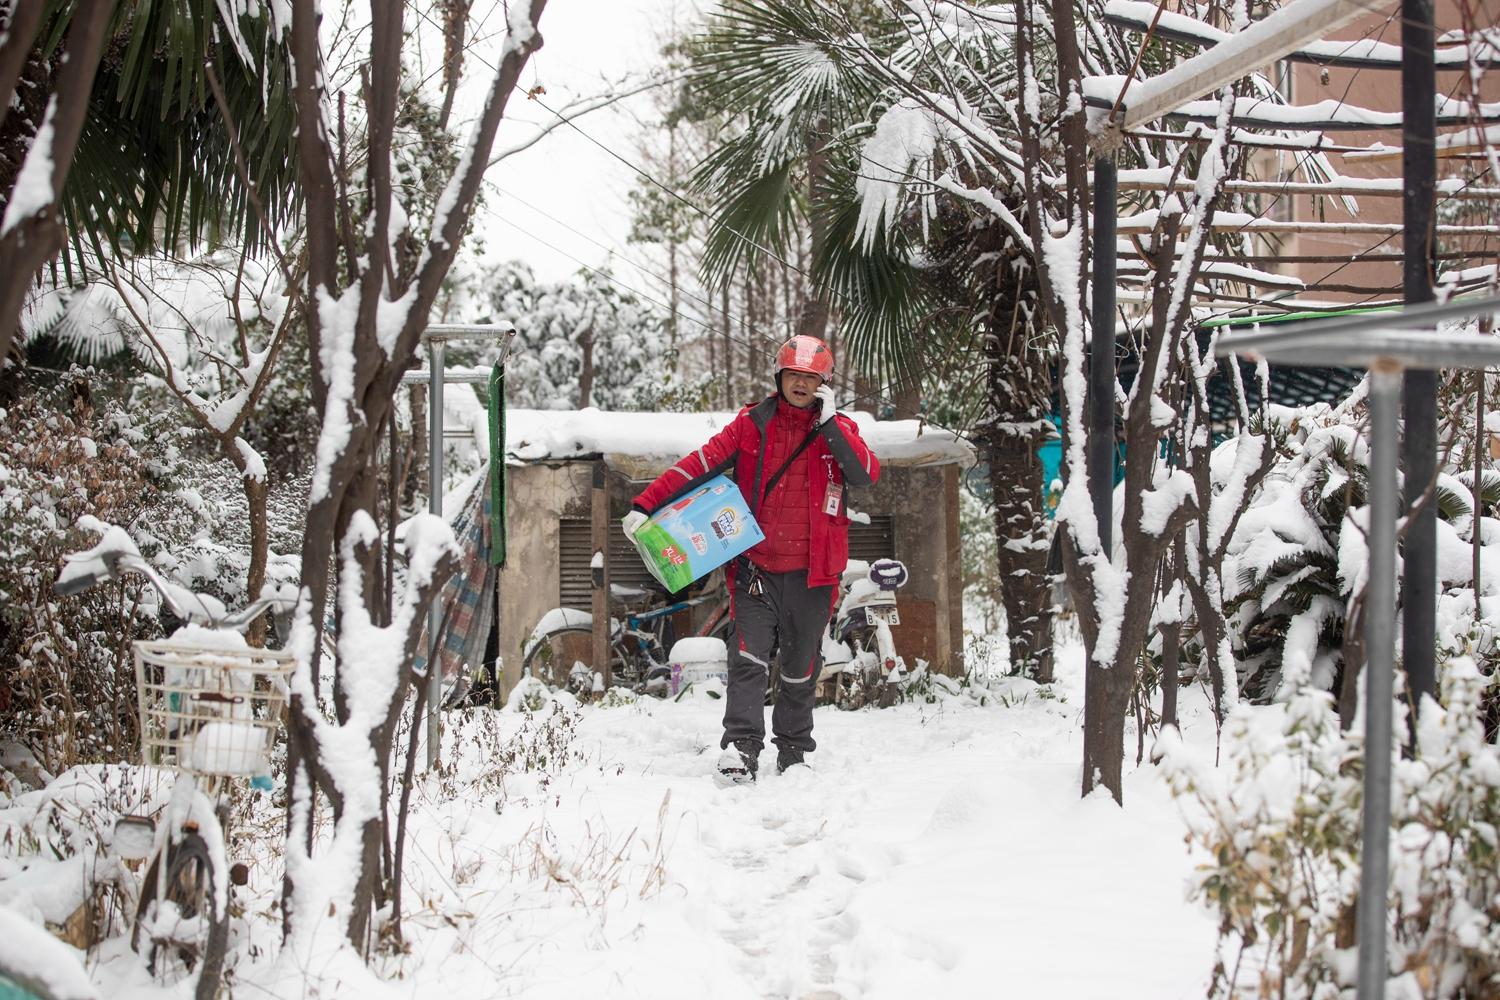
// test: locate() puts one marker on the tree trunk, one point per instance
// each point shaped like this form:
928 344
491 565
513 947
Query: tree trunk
1021 545
1209 615
674 241
1171 659
908 400
724 320
586 376
1171 637
1354 660
26 79
711 341
1106 700
419 472
255 578
748 328
813 321
1018 386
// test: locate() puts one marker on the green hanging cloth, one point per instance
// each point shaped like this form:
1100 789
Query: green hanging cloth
497 466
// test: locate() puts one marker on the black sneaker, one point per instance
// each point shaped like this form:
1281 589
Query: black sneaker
739 761
788 758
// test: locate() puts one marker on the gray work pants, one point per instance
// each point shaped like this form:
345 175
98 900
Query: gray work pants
784 623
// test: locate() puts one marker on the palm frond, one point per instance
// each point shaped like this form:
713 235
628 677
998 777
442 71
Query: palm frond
880 292
781 58
755 214
1454 501
1489 485
155 165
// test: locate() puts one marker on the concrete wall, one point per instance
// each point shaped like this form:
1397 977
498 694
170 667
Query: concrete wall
923 503
539 496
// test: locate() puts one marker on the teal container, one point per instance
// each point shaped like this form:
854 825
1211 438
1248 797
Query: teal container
10 991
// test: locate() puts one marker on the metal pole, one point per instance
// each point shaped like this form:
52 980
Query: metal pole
435 348
1101 399
1419 453
1380 614
599 574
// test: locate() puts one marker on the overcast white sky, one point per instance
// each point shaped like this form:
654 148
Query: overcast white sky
589 46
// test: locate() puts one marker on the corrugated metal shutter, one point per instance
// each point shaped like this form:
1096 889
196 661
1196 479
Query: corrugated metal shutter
577 548
876 540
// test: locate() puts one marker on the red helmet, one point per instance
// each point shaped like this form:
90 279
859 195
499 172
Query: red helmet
805 354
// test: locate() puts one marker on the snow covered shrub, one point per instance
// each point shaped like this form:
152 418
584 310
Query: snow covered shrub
544 743
199 531
1283 572
538 748
1280 822
617 697
54 853
283 429
1298 554
68 689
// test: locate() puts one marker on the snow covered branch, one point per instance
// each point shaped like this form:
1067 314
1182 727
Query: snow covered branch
372 277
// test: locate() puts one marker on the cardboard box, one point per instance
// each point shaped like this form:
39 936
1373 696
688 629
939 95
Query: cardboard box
691 537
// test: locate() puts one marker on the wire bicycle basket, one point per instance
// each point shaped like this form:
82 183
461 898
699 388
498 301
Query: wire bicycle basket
210 712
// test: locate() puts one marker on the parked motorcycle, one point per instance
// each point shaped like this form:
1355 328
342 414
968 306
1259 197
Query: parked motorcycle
860 662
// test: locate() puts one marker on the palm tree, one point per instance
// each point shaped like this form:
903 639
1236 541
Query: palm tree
144 154
928 297
782 171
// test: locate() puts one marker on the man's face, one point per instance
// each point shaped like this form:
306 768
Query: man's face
799 387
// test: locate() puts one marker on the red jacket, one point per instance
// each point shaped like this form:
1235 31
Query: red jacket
835 459
786 509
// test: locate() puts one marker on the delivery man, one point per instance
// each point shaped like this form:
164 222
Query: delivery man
793 456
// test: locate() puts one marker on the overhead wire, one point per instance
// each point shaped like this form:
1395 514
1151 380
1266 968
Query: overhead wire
842 381
610 276
615 251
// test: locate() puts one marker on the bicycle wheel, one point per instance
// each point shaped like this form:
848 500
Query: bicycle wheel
181 927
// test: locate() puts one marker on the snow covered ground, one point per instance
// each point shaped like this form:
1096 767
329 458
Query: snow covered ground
932 850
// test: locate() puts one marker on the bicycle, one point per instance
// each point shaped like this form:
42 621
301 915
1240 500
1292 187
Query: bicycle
562 643
210 710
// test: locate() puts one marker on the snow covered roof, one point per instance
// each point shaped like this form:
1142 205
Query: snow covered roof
551 435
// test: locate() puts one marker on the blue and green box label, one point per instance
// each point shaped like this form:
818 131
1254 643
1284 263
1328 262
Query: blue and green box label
695 534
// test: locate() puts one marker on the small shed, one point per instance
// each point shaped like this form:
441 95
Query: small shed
556 457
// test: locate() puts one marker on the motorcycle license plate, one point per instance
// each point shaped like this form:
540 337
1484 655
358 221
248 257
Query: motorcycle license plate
891 615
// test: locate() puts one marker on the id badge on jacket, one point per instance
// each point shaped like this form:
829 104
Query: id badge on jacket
831 497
